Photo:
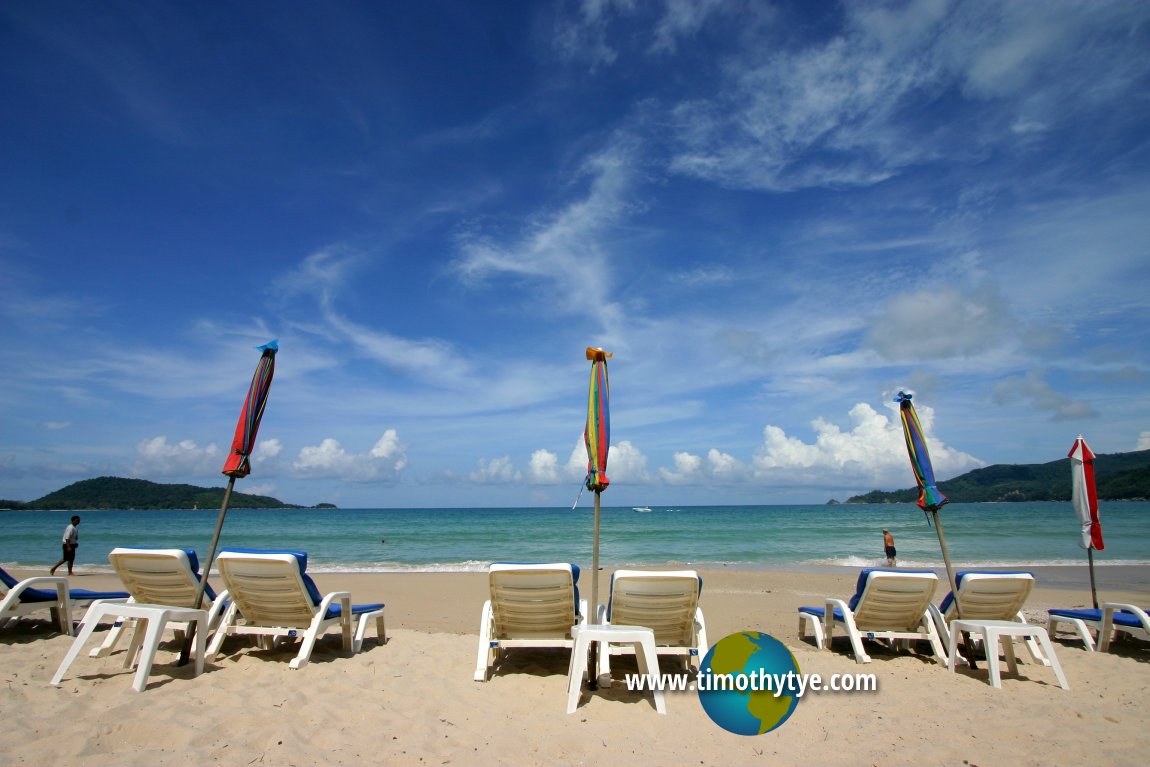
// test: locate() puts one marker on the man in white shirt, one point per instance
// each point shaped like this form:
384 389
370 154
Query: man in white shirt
71 541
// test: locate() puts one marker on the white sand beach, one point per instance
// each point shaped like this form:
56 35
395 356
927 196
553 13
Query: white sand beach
412 701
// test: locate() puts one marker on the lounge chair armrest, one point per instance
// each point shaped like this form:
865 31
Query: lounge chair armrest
841 604
344 597
1114 607
582 616
41 581
601 614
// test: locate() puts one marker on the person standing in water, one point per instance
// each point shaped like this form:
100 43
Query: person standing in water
888 545
71 541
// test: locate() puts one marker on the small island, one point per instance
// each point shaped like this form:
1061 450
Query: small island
140 494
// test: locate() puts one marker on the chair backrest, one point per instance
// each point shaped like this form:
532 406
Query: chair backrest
663 601
989 596
893 600
269 586
159 576
533 600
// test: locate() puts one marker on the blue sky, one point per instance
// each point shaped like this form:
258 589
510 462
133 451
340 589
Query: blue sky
775 215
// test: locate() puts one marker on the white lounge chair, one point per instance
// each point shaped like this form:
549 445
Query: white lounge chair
1113 617
47 593
887 604
531 605
666 602
988 596
158 577
272 597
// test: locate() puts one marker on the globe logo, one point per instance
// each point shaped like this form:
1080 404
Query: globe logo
739 680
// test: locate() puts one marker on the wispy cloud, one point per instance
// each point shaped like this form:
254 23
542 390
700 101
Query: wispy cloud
1032 389
566 252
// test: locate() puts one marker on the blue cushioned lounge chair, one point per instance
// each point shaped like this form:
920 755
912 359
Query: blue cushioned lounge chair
888 604
47 592
158 577
988 596
531 605
667 602
1112 618
272 597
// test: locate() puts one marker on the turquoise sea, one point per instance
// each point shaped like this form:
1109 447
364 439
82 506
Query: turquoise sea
351 540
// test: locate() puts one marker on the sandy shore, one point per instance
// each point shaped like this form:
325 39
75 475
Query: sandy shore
413 701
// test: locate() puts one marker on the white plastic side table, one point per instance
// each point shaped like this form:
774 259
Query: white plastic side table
643 640
157 617
992 633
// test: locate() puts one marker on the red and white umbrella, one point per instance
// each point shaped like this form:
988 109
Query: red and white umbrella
1084 496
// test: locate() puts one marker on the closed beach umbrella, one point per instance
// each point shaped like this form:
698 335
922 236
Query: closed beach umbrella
238 463
1084 496
597 437
930 498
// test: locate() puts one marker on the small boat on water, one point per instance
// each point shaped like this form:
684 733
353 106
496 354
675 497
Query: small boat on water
640 508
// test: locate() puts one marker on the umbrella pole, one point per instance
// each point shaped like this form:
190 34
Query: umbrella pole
950 577
593 608
946 561
1093 590
186 652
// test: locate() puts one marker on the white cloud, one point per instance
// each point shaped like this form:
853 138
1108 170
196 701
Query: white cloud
873 451
1033 390
497 471
694 470
329 460
267 449
266 488
1143 441
155 457
543 468
625 463
55 425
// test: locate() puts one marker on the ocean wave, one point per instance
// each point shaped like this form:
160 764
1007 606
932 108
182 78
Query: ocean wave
861 562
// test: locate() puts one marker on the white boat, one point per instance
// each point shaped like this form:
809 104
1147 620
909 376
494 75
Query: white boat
640 508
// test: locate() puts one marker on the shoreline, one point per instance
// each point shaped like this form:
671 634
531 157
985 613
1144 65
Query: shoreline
763 600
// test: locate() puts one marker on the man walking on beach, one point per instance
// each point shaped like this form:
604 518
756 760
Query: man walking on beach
888 544
71 541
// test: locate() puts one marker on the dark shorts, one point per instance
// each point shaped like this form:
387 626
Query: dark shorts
69 553
890 552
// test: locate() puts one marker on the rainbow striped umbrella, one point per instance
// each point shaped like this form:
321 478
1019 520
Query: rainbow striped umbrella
930 498
597 437
238 463
1084 496
597 434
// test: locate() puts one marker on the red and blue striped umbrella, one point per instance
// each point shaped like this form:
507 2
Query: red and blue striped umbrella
597 433
238 463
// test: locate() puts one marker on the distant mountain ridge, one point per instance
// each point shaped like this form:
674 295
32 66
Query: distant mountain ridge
121 493
1119 477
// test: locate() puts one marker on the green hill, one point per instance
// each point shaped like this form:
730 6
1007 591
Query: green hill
120 493
1119 477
